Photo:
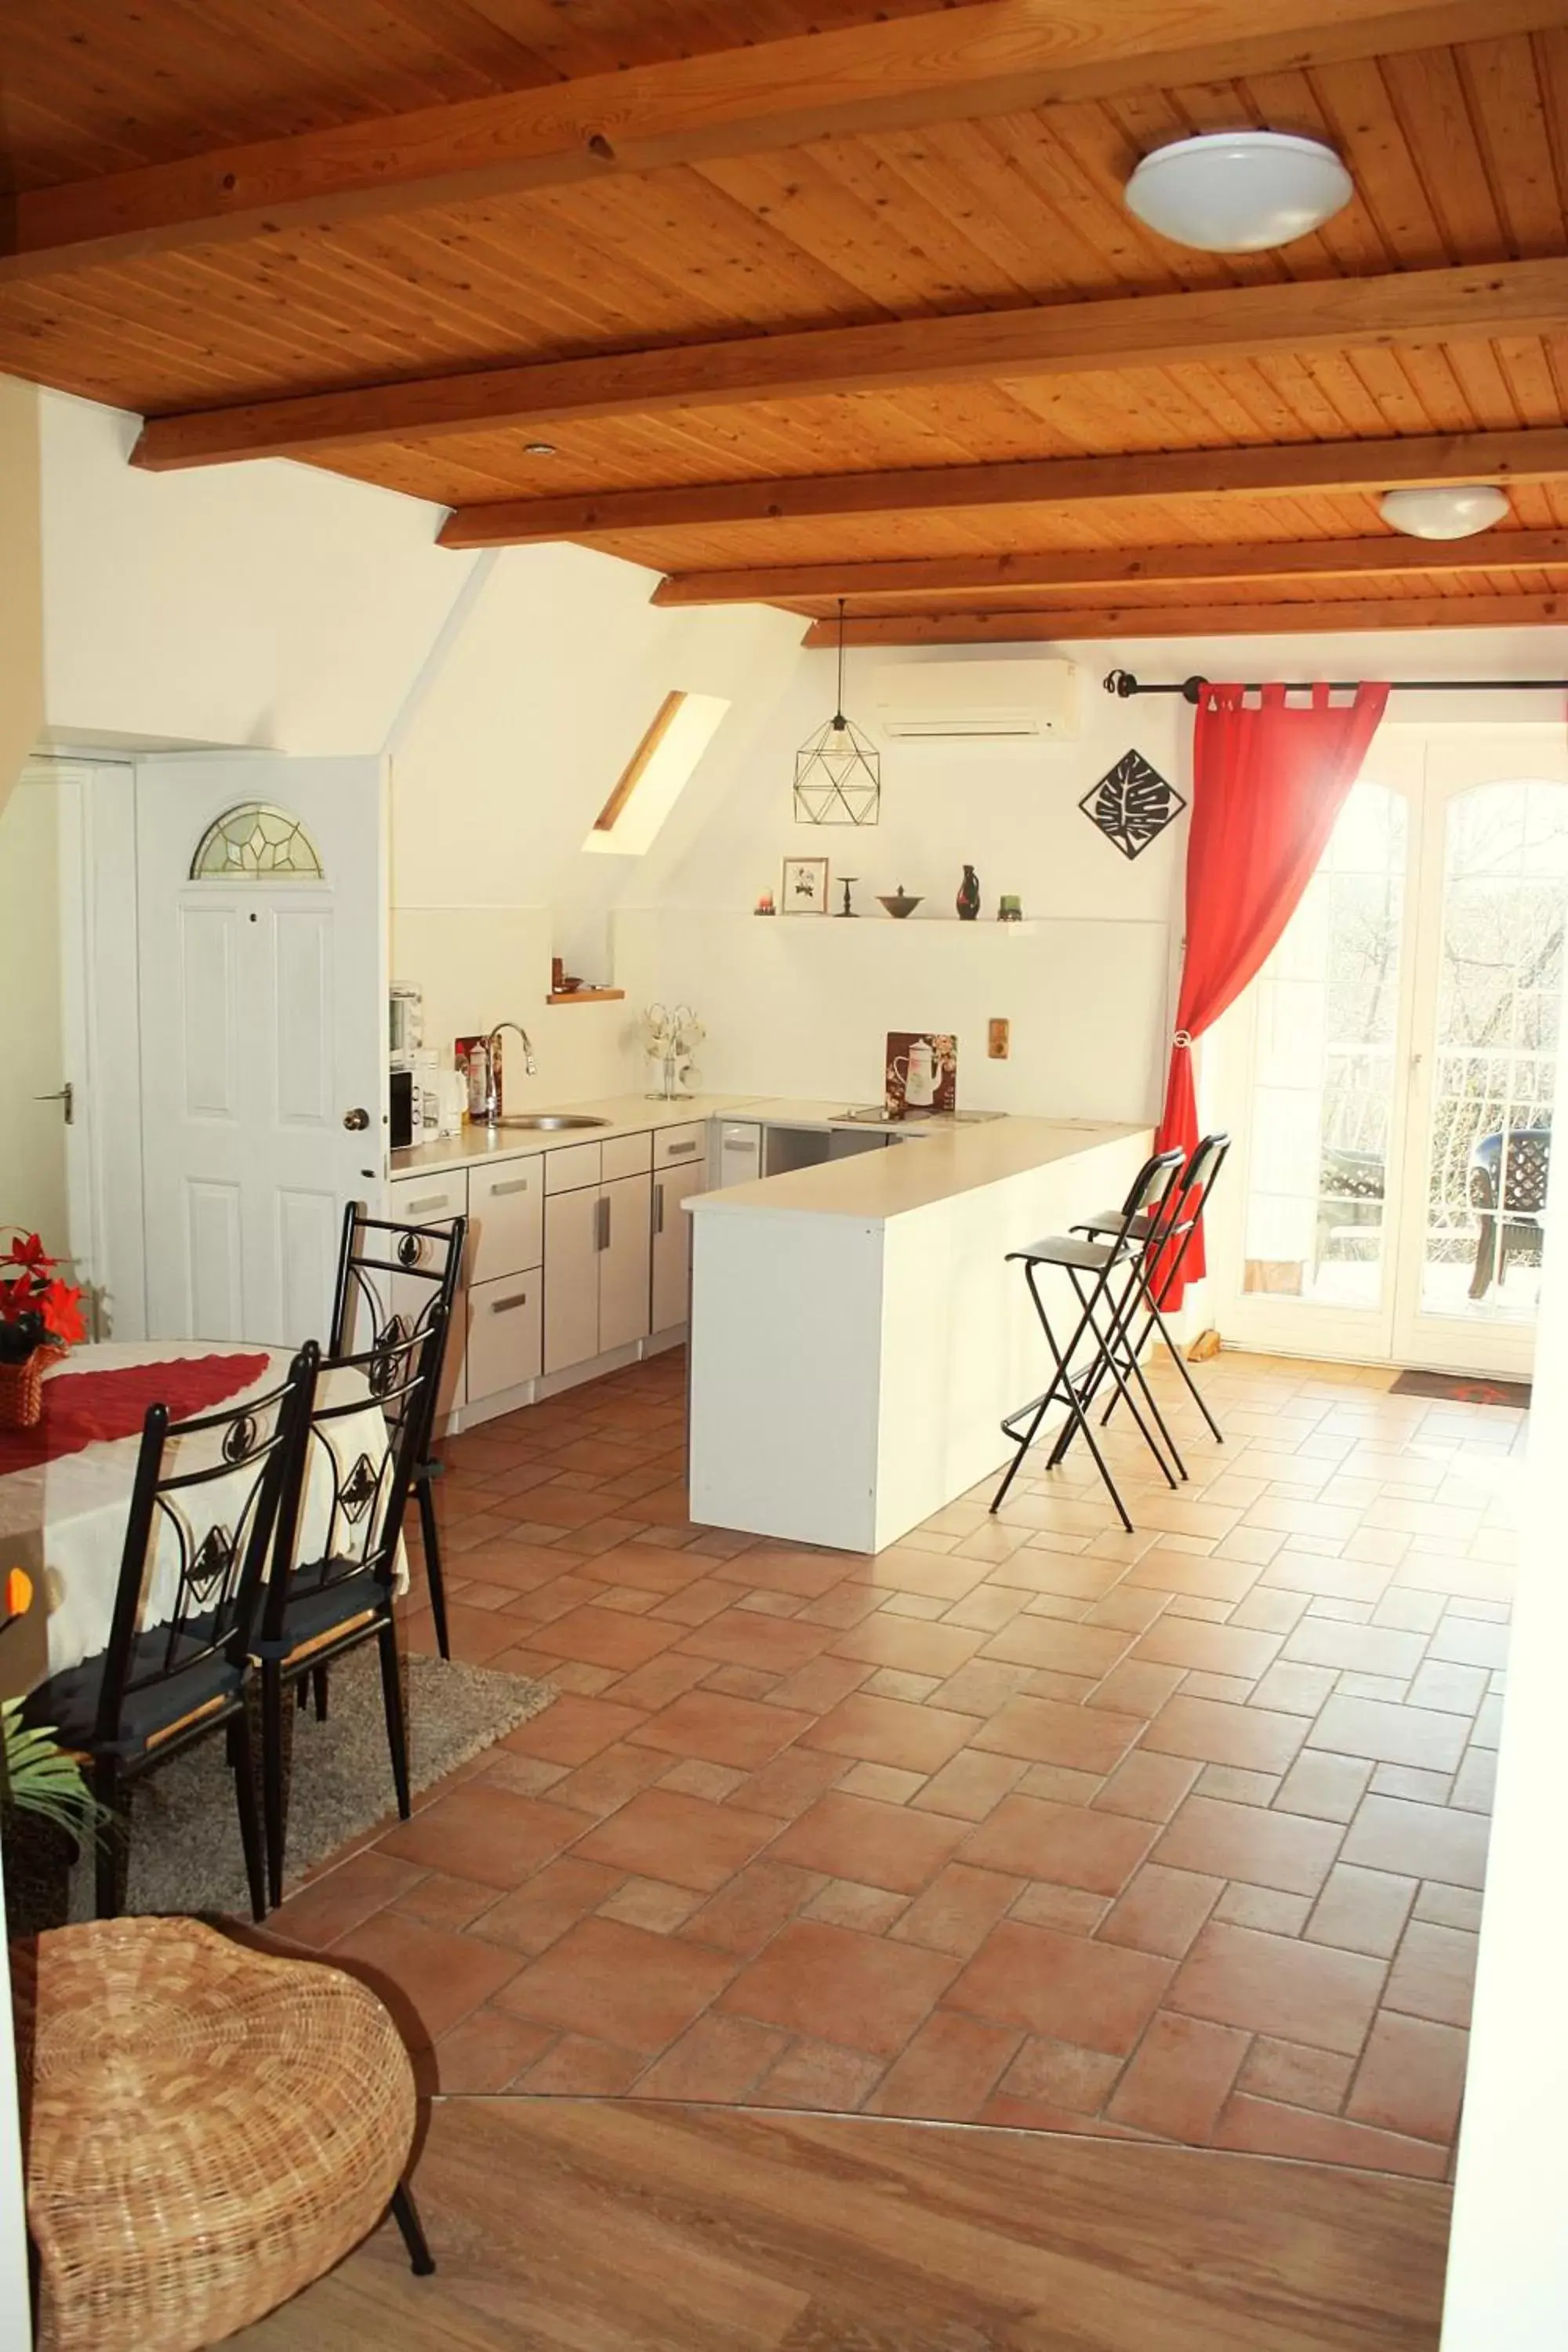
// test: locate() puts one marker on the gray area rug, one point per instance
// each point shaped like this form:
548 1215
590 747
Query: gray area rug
185 1831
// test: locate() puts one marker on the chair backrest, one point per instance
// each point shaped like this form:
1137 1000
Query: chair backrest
391 1275
1153 1194
1199 1177
209 1498
359 1443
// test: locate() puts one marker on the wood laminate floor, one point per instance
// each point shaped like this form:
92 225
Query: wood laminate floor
598 2225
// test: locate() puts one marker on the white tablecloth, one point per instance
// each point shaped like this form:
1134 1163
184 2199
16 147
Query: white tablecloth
68 1517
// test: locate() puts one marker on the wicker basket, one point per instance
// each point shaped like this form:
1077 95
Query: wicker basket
22 1389
207 2129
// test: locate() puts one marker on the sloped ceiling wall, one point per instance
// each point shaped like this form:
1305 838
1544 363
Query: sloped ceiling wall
21 589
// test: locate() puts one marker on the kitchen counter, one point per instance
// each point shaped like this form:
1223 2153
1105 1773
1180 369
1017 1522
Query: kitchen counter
622 1114
951 1160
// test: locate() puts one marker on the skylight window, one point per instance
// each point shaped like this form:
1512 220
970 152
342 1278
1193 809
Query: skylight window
656 773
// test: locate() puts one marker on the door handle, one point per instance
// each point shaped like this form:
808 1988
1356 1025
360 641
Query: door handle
356 1121
505 1306
602 1219
499 1190
674 1150
66 1096
657 1210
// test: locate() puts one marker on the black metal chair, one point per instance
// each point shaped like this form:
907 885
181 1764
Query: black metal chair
391 1279
1104 1276
211 1497
1508 1182
340 1593
1161 1260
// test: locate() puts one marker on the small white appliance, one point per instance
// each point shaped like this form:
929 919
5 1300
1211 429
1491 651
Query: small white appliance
739 1153
404 1025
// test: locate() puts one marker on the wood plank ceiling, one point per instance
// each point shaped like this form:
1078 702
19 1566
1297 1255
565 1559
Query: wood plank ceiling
754 201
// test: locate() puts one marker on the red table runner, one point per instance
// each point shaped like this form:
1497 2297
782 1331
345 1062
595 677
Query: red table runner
83 1409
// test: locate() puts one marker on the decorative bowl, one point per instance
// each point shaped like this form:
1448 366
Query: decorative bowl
900 904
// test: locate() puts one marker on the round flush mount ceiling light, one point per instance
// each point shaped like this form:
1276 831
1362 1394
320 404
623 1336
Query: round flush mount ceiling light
1455 511
1239 191
539 448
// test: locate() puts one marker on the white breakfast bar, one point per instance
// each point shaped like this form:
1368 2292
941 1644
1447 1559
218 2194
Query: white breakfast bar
856 1333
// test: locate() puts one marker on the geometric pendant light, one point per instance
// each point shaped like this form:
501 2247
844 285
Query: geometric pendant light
837 771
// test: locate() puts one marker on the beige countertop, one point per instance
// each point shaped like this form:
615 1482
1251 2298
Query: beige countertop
946 1159
874 1186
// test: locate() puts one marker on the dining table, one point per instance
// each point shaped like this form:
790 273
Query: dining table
65 1488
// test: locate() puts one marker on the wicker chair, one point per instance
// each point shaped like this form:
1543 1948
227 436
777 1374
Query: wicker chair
207 2130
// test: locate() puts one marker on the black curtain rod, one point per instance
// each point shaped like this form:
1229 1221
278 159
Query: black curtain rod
1122 682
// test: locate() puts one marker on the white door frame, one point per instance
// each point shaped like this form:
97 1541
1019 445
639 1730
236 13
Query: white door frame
1421 762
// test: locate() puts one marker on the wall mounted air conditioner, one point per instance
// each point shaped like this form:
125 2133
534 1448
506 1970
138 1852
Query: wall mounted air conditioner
940 702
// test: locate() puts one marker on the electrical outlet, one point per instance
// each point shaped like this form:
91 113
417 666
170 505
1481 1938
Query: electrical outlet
997 1036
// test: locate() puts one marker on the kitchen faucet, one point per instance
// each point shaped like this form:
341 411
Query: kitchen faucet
492 1085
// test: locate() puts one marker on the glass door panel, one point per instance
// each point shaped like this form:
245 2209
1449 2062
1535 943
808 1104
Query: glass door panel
1488 1076
1318 1114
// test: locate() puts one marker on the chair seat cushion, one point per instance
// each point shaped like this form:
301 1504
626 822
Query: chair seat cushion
69 1701
1063 1249
315 1609
209 2129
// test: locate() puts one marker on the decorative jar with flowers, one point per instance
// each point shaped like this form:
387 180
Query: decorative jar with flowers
40 1318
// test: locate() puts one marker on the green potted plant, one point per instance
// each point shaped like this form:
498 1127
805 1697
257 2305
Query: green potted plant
46 1811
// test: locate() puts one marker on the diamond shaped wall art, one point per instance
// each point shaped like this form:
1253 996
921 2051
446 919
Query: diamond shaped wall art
1132 803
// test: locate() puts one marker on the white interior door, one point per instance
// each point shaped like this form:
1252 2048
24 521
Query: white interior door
262 906
1392 1070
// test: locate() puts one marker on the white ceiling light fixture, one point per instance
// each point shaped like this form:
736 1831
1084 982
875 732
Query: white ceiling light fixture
1455 510
1239 191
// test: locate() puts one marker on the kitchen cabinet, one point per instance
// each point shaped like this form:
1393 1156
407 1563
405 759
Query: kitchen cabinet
672 1242
571 1275
597 1270
505 1333
430 1201
624 1256
506 1217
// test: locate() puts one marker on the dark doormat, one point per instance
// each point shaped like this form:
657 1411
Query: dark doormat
1456 1389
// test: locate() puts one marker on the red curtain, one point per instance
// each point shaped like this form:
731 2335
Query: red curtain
1269 777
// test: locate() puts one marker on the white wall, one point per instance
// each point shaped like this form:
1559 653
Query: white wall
21 589
1508 2268
268 605
501 768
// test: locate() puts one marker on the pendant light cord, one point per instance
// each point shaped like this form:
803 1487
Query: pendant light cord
838 712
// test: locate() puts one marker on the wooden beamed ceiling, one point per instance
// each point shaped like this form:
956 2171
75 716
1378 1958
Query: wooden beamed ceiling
849 311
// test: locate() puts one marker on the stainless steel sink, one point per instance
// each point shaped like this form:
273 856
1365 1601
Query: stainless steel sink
550 1122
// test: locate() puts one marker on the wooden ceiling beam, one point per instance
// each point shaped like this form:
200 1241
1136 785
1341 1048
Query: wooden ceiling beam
1392 558
1540 456
1410 309
947 64
1066 624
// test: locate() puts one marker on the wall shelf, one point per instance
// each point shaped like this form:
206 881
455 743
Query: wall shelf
586 996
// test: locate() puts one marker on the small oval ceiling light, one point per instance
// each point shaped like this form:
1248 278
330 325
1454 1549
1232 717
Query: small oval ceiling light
1448 512
1239 191
539 448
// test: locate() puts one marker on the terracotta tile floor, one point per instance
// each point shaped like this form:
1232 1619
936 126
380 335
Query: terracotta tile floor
1024 1822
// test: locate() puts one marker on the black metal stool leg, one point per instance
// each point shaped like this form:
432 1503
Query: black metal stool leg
1107 1343
405 2213
434 1577
1074 1405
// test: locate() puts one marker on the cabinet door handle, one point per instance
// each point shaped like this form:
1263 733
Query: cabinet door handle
431 1201
520 1184
658 1209
505 1306
601 1223
675 1150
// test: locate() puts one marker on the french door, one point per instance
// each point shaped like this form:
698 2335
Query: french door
1391 1076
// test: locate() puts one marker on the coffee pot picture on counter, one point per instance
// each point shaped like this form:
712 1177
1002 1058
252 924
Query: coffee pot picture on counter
921 1074
969 895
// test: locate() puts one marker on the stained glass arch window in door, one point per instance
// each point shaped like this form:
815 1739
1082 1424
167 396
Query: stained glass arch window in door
256 842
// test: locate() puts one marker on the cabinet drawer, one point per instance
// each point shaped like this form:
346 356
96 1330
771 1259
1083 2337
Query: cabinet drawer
628 1155
505 1211
571 1168
677 1146
426 1199
505 1327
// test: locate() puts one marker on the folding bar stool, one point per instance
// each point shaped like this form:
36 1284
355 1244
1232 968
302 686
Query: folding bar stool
1159 1263
1103 1275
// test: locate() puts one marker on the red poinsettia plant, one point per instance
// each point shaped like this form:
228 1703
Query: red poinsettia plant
37 1308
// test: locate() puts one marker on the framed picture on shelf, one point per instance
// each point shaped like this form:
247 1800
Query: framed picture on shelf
804 890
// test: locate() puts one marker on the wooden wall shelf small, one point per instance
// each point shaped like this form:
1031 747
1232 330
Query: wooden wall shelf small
585 996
